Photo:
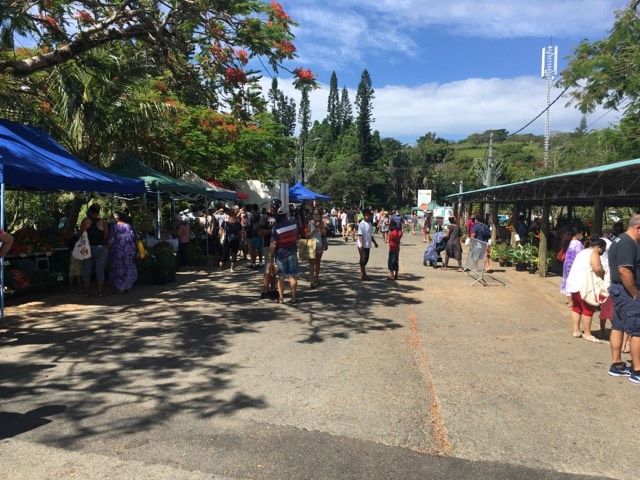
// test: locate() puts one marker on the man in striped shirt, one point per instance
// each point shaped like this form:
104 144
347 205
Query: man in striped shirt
284 251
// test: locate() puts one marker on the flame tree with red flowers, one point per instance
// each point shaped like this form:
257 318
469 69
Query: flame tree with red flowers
215 43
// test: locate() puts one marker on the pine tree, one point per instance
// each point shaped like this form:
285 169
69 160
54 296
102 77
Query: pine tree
345 112
283 108
274 93
364 119
333 106
304 115
287 107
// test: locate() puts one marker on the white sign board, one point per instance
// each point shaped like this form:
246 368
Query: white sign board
424 198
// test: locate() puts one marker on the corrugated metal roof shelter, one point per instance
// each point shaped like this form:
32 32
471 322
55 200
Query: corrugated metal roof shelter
615 184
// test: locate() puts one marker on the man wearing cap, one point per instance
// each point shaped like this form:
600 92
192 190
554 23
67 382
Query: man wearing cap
283 252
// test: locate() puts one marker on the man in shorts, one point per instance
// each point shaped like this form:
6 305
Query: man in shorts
365 239
351 225
624 265
265 226
283 251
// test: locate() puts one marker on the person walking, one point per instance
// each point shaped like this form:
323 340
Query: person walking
351 225
122 254
393 262
317 230
454 245
572 250
624 265
587 262
231 230
384 226
184 234
364 241
98 232
284 251
265 227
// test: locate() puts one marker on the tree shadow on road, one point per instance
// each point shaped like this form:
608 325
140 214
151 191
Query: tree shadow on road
128 363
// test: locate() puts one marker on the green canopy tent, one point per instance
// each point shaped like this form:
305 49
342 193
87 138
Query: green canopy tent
155 181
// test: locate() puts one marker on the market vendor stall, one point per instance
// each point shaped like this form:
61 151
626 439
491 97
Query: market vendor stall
299 192
155 182
30 159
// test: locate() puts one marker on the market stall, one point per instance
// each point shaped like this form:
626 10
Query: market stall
155 182
30 159
299 193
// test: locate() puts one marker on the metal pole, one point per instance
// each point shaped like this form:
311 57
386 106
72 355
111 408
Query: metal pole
460 190
302 165
2 258
158 214
206 226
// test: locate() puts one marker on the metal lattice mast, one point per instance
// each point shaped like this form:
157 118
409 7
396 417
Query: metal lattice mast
549 71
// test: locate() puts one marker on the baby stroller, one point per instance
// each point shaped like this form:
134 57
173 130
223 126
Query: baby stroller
432 252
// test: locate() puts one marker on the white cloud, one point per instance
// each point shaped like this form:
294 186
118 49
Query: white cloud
493 18
457 109
334 33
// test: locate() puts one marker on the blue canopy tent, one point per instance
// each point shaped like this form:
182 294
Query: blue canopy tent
31 160
299 192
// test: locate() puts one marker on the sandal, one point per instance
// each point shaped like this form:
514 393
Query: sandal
293 301
281 300
591 338
577 334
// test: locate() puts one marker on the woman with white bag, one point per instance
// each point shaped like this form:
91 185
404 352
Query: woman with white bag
97 231
587 283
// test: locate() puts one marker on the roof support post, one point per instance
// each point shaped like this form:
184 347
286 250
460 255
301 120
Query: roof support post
515 213
598 211
494 222
544 238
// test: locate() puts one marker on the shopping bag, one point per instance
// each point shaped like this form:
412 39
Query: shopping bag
307 249
82 249
140 249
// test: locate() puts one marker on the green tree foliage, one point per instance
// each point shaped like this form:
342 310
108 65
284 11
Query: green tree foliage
200 43
333 106
345 111
607 72
364 118
283 108
304 115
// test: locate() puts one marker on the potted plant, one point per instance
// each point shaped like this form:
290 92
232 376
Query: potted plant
531 252
519 257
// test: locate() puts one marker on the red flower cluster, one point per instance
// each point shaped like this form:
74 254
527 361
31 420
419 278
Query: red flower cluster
243 56
235 75
84 17
45 106
279 12
52 22
285 47
304 74
218 52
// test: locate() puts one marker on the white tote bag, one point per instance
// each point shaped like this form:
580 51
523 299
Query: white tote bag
82 249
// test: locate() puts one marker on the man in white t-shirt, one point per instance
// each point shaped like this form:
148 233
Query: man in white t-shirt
364 241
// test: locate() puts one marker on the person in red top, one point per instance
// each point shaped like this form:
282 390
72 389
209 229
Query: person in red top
395 234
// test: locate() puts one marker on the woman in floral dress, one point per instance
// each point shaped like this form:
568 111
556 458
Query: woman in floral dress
122 245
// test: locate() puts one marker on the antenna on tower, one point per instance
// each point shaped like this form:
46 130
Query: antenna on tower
548 72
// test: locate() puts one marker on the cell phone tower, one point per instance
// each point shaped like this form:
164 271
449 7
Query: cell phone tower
548 72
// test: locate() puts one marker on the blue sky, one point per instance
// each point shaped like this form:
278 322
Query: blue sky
453 67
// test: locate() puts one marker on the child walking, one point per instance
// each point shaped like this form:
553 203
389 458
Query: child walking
395 234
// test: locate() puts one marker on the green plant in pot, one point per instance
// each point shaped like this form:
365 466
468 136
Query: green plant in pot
519 257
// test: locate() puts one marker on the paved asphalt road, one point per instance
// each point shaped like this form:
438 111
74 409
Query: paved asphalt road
424 378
